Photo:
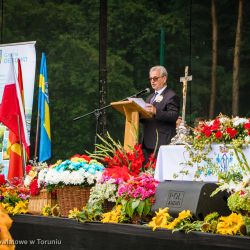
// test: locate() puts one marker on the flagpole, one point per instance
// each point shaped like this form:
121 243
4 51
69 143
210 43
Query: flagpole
37 135
21 145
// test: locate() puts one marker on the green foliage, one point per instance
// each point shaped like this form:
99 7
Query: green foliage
133 207
238 203
11 199
247 224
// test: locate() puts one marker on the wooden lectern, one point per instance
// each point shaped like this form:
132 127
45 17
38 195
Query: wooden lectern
132 111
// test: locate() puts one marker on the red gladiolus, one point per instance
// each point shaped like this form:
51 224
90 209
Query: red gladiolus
151 162
125 164
117 172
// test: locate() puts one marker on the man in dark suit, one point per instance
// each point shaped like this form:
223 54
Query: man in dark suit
164 105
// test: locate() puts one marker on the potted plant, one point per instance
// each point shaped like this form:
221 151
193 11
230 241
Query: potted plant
137 197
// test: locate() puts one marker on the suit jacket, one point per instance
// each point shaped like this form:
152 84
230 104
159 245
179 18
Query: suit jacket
167 112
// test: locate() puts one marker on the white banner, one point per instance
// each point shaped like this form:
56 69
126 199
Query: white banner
26 52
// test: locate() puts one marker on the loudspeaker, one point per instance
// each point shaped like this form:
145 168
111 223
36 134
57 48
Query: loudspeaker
190 195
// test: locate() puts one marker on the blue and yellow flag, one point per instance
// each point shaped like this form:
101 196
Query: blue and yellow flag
43 109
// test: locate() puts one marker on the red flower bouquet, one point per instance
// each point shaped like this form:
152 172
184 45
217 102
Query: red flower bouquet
31 178
121 164
222 130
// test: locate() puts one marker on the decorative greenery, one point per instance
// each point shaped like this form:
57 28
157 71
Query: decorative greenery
234 224
47 210
14 199
232 133
86 214
239 202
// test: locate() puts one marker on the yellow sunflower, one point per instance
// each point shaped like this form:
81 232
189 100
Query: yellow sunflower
230 224
160 220
182 216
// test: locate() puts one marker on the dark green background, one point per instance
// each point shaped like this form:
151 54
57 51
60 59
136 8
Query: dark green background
68 32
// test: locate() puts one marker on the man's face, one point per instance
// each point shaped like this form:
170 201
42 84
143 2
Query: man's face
157 81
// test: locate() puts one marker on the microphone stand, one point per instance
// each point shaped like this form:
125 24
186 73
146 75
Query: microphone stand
97 113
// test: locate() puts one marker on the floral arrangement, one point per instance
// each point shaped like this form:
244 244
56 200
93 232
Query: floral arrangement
164 220
105 190
119 163
14 199
234 224
125 164
133 198
239 200
31 178
79 170
235 131
137 195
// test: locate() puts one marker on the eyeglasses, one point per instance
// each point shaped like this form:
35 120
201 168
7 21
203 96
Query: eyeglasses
155 78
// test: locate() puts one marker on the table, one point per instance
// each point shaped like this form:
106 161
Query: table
172 159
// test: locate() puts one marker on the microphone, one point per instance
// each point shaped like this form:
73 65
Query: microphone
142 92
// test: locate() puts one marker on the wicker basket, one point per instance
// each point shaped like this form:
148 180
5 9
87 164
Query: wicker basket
70 197
37 202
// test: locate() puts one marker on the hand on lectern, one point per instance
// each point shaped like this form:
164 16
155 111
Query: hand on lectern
150 108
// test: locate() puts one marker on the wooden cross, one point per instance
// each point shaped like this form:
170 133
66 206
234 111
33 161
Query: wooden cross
184 80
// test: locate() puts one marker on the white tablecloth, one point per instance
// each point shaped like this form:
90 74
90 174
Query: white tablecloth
171 160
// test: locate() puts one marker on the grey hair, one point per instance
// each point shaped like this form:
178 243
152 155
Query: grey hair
163 71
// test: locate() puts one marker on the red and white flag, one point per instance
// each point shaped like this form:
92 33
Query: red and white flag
12 109
16 153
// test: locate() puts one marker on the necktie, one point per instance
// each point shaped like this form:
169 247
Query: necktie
153 98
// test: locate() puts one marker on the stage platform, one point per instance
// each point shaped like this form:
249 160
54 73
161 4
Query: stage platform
38 232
